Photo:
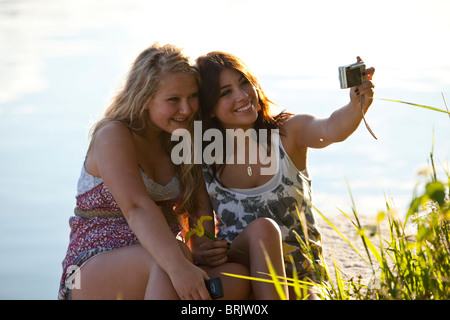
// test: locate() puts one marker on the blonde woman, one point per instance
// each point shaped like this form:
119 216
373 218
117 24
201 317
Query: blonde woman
132 200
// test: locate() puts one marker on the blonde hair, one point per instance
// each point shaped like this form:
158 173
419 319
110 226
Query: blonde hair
141 85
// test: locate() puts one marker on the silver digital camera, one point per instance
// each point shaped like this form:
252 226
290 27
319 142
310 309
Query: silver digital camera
350 75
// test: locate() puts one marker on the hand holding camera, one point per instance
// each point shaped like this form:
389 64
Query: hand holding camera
352 75
359 79
356 75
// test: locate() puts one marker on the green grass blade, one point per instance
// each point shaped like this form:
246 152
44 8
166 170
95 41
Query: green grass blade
358 224
290 284
343 237
248 277
328 275
373 249
445 102
304 282
416 105
295 279
273 274
340 285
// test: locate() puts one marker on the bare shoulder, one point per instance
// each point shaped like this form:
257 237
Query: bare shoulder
113 141
113 129
297 124
299 119
113 136
307 131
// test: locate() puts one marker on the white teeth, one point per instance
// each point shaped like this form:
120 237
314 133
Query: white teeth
244 108
179 120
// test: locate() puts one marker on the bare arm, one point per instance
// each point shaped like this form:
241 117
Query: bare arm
319 133
114 156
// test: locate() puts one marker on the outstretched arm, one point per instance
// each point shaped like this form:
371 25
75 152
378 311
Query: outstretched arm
319 133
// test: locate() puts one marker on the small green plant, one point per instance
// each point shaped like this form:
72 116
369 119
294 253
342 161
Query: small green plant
406 266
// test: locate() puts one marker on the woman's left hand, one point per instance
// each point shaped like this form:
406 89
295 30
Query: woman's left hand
211 253
365 90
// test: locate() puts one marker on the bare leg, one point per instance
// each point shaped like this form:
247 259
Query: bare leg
125 273
266 232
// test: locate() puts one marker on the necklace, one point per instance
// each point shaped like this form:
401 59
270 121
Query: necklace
249 171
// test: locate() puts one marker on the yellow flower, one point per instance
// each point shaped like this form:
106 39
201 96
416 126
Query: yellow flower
198 229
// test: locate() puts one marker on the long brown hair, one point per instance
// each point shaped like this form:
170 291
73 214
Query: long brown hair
210 67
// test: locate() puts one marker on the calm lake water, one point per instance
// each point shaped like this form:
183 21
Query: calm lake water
61 61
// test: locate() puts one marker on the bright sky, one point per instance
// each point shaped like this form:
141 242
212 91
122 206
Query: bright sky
407 39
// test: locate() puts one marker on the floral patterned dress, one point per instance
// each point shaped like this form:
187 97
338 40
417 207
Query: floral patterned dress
284 198
99 226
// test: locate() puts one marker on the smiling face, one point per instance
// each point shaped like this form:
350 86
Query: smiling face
175 103
237 106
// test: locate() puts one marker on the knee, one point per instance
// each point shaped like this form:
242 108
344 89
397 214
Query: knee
239 269
265 230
